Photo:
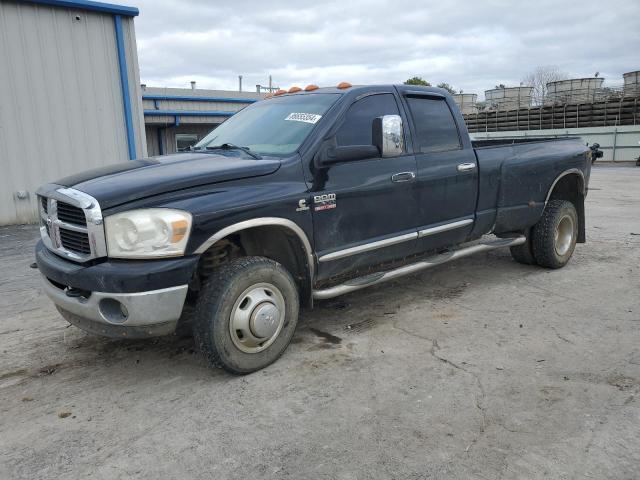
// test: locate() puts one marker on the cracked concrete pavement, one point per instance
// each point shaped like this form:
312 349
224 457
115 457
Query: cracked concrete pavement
481 368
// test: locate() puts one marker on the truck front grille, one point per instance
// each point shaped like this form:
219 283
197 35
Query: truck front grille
70 214
71 223
75 241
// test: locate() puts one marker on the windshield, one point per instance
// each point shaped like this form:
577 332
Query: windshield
273 127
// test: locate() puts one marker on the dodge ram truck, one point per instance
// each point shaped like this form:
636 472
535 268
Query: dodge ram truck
304 196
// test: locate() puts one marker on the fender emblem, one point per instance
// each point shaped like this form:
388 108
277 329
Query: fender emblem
324 202
302 205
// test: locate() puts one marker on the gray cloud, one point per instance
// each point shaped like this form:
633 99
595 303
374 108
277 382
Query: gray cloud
472 45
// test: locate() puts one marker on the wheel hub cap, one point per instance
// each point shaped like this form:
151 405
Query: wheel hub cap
257 317
264 320
564 235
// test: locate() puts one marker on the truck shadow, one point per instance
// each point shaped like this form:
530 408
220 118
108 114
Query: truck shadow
322 328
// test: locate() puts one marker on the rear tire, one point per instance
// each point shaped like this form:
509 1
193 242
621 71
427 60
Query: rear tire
524 253
554 236
246 314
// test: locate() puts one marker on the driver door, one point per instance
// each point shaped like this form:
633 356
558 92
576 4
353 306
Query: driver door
365 212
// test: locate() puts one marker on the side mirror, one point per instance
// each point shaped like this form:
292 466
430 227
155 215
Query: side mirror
388 135
349 153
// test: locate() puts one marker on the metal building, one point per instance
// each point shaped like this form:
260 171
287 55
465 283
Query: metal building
176 118
69 95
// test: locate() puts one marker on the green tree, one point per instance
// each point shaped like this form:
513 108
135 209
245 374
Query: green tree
447 87
417 81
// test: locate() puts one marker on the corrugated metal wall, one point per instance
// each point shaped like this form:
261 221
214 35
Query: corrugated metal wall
61 108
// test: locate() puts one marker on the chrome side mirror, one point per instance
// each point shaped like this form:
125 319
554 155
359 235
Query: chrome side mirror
388 135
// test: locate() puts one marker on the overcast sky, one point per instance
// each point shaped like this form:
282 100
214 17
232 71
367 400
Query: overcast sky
473 45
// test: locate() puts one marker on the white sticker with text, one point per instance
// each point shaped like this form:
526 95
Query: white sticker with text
304 117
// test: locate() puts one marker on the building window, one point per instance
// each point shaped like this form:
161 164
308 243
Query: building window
185 140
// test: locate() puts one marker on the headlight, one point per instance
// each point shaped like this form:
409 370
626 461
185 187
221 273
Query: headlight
147 233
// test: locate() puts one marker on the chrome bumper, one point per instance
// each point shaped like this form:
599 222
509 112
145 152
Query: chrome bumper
151 313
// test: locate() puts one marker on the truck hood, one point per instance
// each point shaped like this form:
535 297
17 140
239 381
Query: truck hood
123 182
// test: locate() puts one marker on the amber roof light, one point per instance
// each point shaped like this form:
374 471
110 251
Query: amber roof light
294 89
343 85
311 88
280 92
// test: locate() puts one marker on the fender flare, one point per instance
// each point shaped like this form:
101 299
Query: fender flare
265 222
562 175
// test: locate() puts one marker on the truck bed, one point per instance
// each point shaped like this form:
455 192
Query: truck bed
515 176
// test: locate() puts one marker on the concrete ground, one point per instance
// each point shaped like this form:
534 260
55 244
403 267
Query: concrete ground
482 368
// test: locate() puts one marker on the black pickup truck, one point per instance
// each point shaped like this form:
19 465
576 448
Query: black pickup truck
307 195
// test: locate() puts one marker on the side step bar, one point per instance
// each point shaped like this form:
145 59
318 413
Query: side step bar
376 278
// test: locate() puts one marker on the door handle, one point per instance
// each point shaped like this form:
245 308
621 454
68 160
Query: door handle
403 177
466 167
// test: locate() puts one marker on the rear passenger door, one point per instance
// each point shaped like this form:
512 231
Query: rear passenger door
447 172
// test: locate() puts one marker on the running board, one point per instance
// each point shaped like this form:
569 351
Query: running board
435 260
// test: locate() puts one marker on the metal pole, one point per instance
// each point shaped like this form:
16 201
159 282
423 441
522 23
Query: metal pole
239 83
615 139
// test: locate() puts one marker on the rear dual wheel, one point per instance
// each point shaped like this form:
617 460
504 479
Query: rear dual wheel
551 241
246 314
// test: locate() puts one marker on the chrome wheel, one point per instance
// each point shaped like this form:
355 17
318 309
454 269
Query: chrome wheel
564 235
257 317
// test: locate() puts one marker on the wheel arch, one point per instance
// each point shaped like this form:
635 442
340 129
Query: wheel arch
264 236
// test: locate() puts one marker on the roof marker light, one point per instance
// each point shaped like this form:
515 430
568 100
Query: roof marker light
311 88
280 92
294 89
343 85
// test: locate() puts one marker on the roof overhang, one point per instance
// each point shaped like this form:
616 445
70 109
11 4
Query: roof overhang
91 6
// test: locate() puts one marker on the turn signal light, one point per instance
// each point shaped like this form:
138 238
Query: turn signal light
294 89
311 88
343 85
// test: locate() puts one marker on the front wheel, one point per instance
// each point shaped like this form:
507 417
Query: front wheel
246 314
554 236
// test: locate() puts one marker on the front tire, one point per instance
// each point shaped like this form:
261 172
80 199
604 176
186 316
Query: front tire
554 236
246 314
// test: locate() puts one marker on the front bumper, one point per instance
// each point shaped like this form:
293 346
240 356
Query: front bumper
132 315
132 299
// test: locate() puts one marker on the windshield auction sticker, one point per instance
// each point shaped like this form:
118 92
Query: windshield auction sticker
304 117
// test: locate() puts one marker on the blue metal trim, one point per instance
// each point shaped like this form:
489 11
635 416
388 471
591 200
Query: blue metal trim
92 6
181 98
176 121
187 113
124 82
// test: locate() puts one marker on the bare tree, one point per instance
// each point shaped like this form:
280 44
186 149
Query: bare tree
539 78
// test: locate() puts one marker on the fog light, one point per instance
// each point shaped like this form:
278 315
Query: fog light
113 311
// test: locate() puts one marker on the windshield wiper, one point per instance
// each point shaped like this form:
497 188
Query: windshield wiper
231 146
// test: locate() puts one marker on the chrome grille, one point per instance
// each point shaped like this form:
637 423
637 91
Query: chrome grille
70 214
71 223
75 241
